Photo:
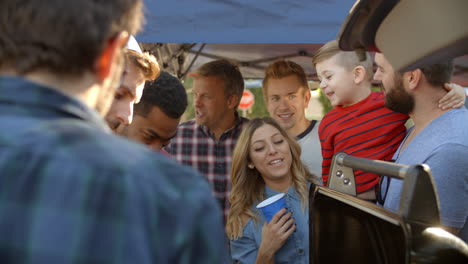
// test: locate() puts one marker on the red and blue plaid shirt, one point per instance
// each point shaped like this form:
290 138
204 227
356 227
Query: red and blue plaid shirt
197 147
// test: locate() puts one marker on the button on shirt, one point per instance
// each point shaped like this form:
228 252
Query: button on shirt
71 192
198 148
296 248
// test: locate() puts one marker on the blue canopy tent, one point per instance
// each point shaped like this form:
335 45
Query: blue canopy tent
186 33
243 21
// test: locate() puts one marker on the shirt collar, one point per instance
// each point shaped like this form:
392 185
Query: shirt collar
21 91
238 122
308 129
291 192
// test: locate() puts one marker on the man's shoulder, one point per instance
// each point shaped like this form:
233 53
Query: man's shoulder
457 117
187 131
451 127
96 146
78 149
188 124
240 124
243 121
310 133
187 128
139 163
72 141
446 135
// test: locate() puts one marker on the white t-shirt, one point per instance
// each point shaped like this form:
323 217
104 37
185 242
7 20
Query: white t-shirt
311 150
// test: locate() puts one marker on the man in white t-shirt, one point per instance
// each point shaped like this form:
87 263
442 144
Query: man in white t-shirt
287 95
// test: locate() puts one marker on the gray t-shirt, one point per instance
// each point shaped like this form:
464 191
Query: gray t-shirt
443 145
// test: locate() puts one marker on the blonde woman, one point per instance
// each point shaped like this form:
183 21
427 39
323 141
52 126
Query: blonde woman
266 162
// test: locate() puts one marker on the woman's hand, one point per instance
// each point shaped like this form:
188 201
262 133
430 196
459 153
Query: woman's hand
274 235
455 97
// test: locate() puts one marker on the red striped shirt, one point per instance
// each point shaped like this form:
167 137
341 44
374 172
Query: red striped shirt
367 129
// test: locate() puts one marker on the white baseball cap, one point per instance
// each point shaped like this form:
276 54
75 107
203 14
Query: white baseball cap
132 44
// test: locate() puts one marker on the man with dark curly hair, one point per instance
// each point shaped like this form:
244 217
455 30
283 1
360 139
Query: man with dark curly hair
157 115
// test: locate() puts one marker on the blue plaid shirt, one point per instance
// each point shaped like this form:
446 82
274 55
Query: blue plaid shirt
71 192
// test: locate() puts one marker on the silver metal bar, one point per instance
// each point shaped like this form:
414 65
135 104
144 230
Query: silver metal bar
385 168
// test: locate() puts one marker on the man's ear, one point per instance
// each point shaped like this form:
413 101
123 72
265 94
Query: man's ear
232 101
307 96
414 78
359 74
109 56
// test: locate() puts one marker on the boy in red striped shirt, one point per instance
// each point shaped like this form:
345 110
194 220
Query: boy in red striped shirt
359 124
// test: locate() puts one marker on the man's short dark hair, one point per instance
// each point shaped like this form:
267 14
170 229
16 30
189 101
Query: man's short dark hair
62 37
167 93
438 74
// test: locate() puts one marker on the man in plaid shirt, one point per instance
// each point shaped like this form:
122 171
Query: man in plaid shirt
206 143
70 190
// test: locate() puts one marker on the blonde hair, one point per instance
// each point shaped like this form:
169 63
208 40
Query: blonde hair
248 185
146 62
280 69
347 59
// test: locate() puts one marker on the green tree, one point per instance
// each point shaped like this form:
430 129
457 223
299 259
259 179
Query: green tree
325 102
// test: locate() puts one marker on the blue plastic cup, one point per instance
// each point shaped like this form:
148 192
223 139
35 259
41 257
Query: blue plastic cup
272 205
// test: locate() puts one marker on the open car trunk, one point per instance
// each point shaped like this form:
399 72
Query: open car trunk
345 229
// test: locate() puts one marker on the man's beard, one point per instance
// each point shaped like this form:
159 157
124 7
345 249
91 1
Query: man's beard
107 91
397 99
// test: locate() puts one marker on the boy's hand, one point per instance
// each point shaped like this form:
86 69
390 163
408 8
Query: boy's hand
455 98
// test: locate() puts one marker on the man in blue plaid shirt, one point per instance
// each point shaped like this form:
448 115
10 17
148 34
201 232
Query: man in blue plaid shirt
70 190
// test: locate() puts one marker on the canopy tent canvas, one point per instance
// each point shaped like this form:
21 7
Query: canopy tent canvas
252 58
243 21
187 33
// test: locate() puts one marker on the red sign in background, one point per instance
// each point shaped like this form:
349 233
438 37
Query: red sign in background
247 100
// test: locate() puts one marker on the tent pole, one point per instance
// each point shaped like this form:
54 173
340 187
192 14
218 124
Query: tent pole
193 61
